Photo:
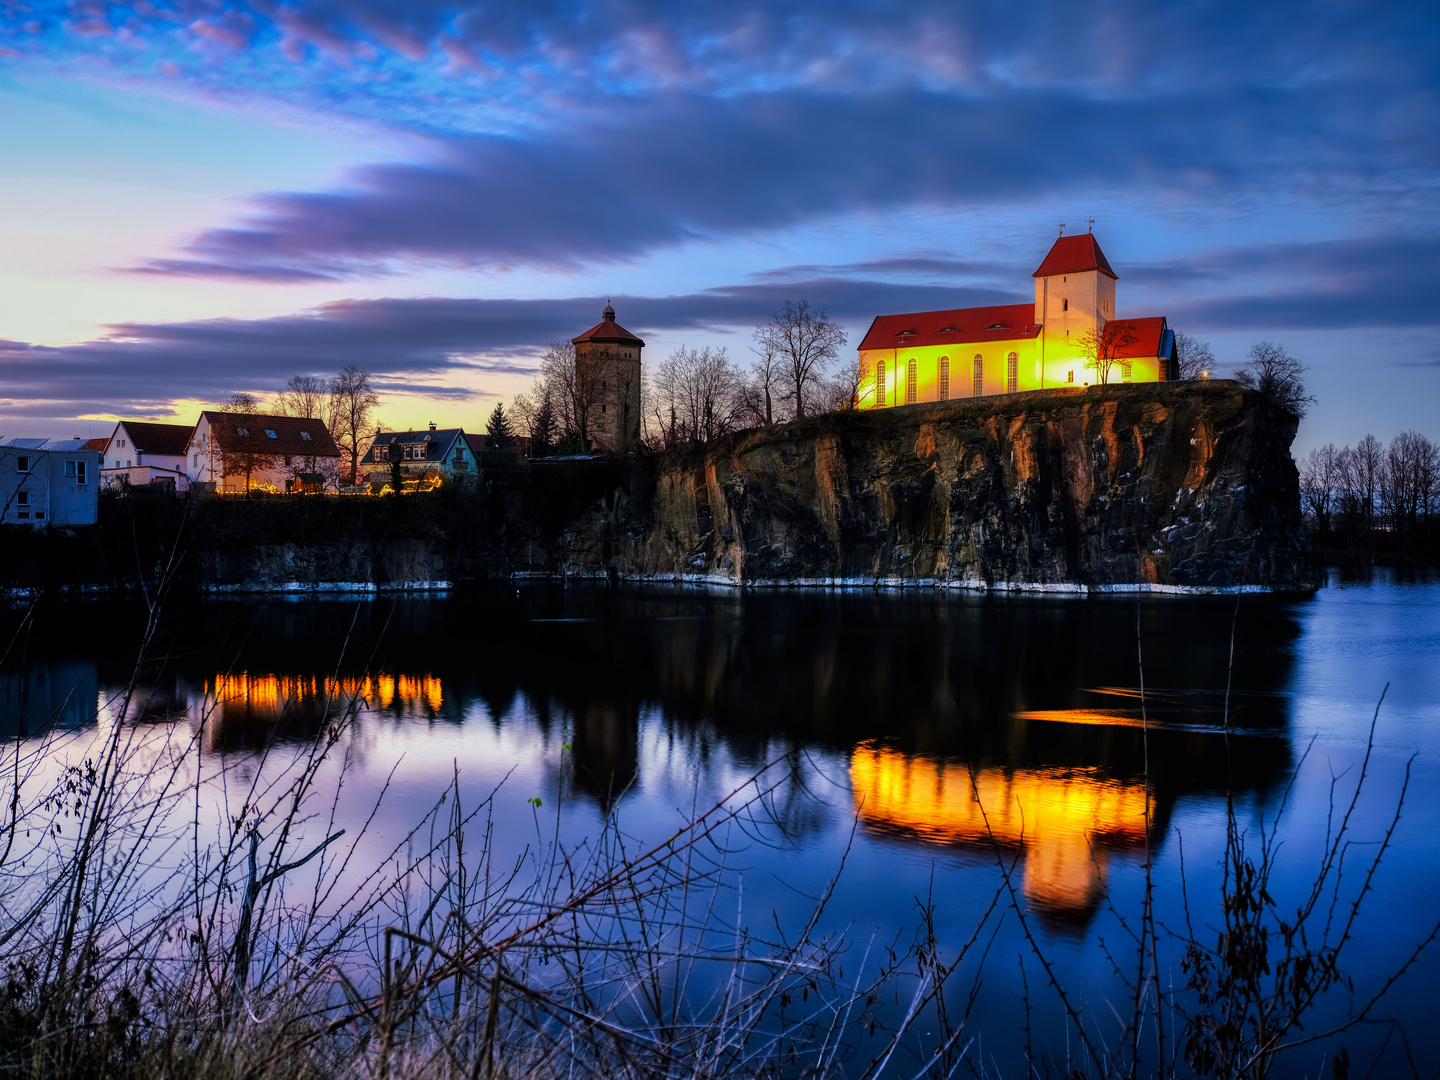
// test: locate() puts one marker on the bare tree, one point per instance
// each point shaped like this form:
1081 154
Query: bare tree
1320 480
304 396
1272 371
694 394
240 402
1361 479
1103 345
573 382
1407 483
351 405
762 395
803 342
1193 355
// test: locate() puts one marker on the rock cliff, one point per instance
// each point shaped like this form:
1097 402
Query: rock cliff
1184 485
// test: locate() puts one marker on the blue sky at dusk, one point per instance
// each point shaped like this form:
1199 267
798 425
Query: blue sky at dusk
202 196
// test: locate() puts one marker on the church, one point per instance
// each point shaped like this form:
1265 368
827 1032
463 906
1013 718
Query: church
1070 337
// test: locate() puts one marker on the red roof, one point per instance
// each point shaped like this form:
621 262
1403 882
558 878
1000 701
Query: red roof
170 439
250 431
608 330
1072 255
99 443
959 326
1147 333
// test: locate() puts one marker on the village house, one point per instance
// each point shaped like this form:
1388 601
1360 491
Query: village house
262 451
443 455
1070 336
46 482
143 453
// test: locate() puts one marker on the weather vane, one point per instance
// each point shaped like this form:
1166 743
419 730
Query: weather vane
1091 229
1062 228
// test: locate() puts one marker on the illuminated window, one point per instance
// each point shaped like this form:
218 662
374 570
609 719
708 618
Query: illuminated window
1126 369
1012 373
880 384
944 378
911 382
1070 375
977 378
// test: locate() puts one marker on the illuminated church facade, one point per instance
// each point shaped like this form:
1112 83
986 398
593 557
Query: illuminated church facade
1008 348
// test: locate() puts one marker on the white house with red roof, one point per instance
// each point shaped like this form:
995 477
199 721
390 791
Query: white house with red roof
1070 336
142 453
262 451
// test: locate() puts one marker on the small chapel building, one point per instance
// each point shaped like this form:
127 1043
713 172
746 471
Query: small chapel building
976 352
607 364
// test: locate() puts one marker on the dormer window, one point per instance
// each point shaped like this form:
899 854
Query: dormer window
998 326
270 433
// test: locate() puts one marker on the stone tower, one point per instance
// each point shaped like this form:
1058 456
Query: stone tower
608 356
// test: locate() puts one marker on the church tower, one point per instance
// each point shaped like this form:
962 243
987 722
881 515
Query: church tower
607 357
1074 296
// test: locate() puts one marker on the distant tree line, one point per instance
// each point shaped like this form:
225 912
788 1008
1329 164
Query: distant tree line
1372 501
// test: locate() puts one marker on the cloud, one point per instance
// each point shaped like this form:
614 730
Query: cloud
673 168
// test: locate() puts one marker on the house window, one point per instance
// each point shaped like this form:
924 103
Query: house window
1070 375
1126 369
977 377
379 453
287 461
270 433
243 431
22 499
127 462
22 464
944 378
1064 305
120 443
880 384
80 472
197 461
912 381
1012 373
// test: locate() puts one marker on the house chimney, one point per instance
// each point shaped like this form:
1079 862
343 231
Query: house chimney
432 425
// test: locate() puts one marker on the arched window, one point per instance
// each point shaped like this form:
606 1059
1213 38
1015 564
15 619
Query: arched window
1065 304
880 385
1012 373
912 382
944 378
977 380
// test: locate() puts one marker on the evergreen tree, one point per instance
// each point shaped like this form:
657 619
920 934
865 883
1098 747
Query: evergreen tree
498 435
542 429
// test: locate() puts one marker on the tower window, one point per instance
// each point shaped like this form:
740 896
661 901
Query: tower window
1065 304
977 377
880 385
1012 373
911 382
944 378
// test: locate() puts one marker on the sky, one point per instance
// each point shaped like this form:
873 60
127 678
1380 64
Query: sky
205 196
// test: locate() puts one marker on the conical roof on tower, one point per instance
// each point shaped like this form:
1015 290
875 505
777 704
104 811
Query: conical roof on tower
607 329
1074 255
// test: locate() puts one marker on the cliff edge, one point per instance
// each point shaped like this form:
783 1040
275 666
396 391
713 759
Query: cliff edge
1180 484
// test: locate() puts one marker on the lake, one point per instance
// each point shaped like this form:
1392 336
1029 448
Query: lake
935 738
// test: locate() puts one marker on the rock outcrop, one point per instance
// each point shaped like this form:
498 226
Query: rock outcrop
1182 485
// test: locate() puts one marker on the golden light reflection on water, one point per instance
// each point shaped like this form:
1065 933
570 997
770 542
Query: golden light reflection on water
1065 821
271 693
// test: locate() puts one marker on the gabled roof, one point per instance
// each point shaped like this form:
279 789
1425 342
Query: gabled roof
437 443
1152 337
957 326
99 443
171 439
1073 255
248 431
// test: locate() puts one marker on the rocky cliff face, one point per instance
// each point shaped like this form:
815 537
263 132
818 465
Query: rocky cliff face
1188 485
